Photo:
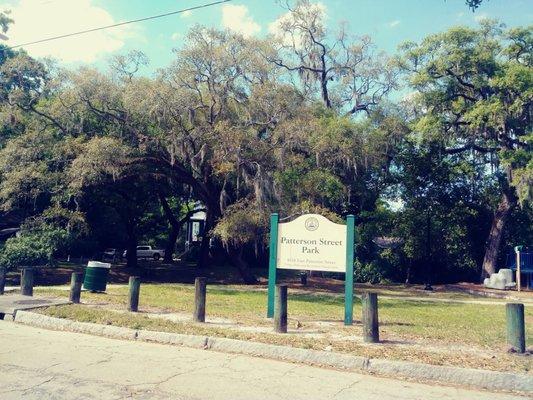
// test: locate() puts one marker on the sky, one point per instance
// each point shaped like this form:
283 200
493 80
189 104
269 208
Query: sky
388 22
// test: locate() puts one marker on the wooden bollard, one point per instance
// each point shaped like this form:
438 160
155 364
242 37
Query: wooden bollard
76 279
26 281
200 291
516 331
280 309
370 317
3 274
135 287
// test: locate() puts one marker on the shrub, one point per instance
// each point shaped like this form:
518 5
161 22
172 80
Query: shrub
368 272
32 248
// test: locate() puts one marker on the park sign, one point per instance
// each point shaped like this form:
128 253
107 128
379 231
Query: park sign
312 242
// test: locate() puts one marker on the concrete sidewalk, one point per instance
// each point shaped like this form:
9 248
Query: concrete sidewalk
39 364
9 304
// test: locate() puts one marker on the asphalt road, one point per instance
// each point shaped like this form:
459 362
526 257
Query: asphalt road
42 364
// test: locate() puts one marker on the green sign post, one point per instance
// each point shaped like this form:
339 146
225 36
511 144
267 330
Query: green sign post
348 279
311 247
272 263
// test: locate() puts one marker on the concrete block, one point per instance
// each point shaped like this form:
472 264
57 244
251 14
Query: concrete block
507 275
497 282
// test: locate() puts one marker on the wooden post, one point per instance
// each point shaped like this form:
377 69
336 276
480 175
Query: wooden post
348 278
280 312
272 262
518 275
370 317
516 332
135 287
199 299
3 274
76 279
26 281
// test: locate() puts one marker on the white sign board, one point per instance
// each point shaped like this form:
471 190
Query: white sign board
312 242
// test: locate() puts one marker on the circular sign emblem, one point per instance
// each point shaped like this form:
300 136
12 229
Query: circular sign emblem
311 224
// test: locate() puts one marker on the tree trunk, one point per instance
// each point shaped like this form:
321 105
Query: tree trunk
204 258
325 94
408 272
212 215
235 257
171 243
175 227
492 247
174 231
131 251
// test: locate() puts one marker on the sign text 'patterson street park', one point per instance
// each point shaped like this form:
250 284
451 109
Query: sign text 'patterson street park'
312 242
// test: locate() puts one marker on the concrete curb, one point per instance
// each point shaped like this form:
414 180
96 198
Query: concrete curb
489 380
194 341
60 324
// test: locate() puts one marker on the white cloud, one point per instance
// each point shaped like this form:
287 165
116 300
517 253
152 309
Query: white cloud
186 14
276 27
176 36
237 19
394 24
37 19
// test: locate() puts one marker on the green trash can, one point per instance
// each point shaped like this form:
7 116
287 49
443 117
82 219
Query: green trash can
96 275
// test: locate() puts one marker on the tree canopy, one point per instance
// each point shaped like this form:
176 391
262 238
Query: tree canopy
307 119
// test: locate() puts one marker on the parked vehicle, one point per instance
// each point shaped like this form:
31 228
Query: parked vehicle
147 252
111 253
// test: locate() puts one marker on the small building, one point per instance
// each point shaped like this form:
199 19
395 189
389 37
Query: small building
196 227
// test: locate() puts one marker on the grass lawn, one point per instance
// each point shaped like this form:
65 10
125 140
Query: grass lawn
440 333
476 324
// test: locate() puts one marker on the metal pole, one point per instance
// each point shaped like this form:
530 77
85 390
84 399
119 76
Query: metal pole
348 279
518 276
272 263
